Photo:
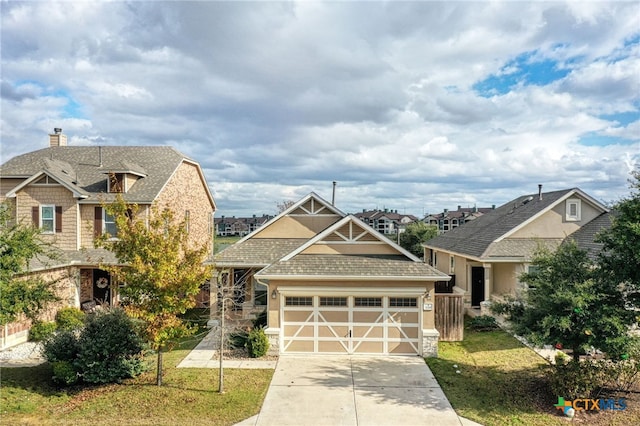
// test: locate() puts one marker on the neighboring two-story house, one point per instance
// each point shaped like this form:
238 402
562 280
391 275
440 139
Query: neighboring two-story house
486 256
241 226
62 189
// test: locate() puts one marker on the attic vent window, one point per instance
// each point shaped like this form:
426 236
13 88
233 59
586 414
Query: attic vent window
46 180
116 182
573 212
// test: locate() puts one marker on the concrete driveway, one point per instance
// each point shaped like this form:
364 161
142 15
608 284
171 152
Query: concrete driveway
354 390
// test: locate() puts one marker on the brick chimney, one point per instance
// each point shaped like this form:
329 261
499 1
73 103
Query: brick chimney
57 138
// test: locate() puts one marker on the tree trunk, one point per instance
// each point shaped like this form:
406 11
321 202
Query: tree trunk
159 370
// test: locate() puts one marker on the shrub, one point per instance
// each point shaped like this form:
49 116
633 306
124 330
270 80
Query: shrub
238 339
261 320
622 375
69 318
577 379
483 323
257 343
109 348
40 330
64 373
62 346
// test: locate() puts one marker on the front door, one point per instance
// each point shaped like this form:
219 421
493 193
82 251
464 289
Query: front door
101 286
477 285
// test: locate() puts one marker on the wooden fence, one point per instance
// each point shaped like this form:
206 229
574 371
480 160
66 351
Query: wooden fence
449 316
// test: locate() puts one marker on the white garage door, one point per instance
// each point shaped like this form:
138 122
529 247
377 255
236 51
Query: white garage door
351 325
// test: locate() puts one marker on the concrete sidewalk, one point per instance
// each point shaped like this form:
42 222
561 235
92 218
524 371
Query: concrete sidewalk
205 356
354 390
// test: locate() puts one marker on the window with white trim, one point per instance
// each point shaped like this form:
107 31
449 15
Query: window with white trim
573 210
298 301
403 302
333 301
47 219
109 224
368 301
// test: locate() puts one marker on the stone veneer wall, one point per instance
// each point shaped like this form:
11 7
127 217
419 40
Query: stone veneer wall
186 191
430 343
273 334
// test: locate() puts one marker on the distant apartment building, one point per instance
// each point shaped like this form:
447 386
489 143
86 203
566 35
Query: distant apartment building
239 226
386 221
451 219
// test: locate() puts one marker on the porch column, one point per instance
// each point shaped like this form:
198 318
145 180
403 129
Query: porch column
487 281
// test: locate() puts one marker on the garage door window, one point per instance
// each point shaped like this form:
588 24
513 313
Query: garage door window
403 302
368 301
299 301
333 301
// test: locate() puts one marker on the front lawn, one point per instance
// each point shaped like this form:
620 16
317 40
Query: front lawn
188 396
502 382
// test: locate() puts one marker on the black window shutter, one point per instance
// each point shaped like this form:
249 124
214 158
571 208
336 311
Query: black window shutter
58 218
97 223
35 216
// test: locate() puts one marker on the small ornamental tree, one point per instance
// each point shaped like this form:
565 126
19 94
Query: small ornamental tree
566 306
19 244
161 272
414 235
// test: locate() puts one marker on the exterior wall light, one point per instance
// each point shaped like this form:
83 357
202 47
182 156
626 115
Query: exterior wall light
274 294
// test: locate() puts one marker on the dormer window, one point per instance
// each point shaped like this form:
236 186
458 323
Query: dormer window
117 182
573 213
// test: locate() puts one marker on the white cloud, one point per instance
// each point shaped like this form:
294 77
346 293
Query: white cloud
279 99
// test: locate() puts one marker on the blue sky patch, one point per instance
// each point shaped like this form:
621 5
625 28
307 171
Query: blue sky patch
72 108
525 69
624 118
596 139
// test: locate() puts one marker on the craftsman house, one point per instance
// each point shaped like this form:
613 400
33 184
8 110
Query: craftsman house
61 189
331 284
486 256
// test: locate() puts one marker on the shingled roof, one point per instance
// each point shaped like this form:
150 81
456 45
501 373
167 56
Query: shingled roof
257 252
84 169
366 267
585 236
478 237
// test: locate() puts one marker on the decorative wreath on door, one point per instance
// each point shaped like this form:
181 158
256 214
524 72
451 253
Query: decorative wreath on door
102 282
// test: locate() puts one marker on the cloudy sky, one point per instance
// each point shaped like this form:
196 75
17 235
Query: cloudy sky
414 106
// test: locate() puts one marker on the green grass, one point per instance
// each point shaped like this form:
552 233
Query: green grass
221 243
501 382
188 396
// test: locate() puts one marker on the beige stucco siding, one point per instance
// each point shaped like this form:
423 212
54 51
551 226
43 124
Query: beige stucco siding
184 192
553 224
349 249
505 278
57 195
297 227
460 272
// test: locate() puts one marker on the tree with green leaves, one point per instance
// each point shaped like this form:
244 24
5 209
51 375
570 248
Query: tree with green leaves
620 258
415 234
567 306
19 293
161 272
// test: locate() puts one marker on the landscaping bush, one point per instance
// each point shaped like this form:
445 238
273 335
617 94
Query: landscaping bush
261 320
238 339
621 376
483 323
64 373
109 348
69 318
41 330
257 343
62 346
578 379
